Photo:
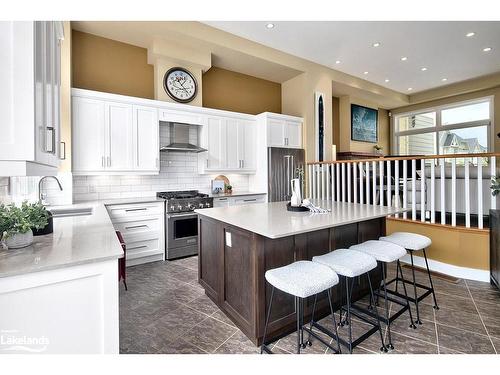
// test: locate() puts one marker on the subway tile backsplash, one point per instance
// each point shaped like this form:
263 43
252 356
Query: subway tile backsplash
178 171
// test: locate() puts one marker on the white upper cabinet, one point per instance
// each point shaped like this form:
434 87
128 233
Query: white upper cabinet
30 72
230 143
283 131
146 137
114 138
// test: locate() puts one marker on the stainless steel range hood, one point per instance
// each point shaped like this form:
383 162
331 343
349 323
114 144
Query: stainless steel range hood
179 139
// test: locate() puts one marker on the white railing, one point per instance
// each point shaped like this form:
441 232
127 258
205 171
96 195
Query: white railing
447 189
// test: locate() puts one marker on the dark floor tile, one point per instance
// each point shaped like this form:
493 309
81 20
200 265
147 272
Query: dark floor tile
464 341
190 262
443 350
486 295
176 323
492 323
183 274
407 345
238 344
496 343
425 332
203 304
180 346
452 302
219 315
209 334
488 308
460 319
479 284
289 343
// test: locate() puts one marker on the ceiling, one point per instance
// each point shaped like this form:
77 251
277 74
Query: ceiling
441 47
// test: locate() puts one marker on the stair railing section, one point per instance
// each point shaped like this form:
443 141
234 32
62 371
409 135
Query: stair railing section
440 189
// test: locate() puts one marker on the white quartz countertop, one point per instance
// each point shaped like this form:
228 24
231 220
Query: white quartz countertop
272 220
76 240
234 194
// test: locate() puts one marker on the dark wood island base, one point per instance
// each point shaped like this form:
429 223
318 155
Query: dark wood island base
233 261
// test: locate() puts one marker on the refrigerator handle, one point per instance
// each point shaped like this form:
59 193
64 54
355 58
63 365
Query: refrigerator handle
287 176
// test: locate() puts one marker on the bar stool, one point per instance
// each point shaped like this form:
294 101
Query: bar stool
413 242
387 252
300 279
350 264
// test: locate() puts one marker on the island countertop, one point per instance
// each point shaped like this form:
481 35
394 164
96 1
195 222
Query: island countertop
76 240
272 220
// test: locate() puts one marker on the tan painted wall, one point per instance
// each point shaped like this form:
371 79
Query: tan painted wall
66 96
224 89
345 143
106 65
452 246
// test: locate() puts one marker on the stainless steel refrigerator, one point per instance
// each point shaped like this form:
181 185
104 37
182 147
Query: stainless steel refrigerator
282 167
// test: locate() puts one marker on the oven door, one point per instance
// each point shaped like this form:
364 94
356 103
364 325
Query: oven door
182 230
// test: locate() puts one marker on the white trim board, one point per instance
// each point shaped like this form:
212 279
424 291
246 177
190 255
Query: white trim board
449 269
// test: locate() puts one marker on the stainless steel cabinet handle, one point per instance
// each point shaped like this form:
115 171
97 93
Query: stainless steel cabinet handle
52 148
135 209
207 163
62 151
136 226
250 200
109 161
102 161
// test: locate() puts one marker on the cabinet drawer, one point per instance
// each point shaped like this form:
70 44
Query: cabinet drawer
135 210
221 202
136 249
139 227
248 199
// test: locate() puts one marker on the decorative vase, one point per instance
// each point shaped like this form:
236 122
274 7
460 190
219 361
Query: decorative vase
18 240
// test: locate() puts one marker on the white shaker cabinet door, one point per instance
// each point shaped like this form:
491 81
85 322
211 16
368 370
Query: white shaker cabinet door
247 144
120 134
276 133
88 135
293 134
233 146
147 145
216 149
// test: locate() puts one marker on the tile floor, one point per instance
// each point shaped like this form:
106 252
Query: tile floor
166 311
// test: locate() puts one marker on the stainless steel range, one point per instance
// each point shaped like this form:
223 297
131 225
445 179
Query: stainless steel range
181 223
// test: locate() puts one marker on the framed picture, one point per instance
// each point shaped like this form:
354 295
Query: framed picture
364 124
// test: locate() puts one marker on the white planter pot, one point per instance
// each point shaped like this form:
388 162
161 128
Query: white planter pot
19 240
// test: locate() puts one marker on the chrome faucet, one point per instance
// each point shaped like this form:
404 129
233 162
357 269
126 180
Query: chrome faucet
41 196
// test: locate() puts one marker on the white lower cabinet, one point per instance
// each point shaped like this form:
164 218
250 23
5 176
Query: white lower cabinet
239 200
72 310
142 226
114 138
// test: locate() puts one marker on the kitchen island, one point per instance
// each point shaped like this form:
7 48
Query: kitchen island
238 244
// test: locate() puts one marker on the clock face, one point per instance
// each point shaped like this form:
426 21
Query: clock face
180 85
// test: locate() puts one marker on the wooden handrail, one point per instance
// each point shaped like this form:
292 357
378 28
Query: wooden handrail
421 157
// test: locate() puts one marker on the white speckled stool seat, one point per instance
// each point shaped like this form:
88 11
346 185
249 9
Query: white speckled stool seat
347 262
351 264
414 242
300 279
410 241
387 252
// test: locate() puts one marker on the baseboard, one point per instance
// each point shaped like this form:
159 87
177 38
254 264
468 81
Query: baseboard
449 269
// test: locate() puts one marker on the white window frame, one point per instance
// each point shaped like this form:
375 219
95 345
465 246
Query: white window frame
439 127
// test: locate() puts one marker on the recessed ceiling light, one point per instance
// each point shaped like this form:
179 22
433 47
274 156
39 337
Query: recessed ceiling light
410 88
423 69
444 79
365 73
376 44
386 80
404 58
270 25
471 34
487 49
337 62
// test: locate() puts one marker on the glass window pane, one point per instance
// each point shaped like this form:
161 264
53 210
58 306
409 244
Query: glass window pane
418 144
420 121
464 141
466 113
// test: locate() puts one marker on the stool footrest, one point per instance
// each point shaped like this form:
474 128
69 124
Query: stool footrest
321 339
428 290
264 348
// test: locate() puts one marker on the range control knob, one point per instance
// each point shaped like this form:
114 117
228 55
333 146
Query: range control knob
200 205
179 207
190 207
207 204
172 208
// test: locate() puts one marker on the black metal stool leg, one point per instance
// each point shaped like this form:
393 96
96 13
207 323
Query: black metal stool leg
341 324
297 313
301 301
334 321
349 314
430 281
267 321
389 346
383 348
412 325
418 321
308 342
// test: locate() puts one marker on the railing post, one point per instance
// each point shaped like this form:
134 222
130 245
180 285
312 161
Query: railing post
480 193
396 184
405 188
381 182
367 173
413 189
442 196
349 182
355 180
422 190
361 183
343 182
389 190
433 191
310 178
467 193
454 192
333 182
337 172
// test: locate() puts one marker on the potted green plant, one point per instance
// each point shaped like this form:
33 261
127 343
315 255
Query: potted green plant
16 223
229 189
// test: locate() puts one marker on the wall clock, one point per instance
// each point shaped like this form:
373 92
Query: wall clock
180 85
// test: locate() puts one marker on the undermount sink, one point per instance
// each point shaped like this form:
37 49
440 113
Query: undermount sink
69 211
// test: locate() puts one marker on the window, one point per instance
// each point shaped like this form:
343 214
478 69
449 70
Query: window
462 128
